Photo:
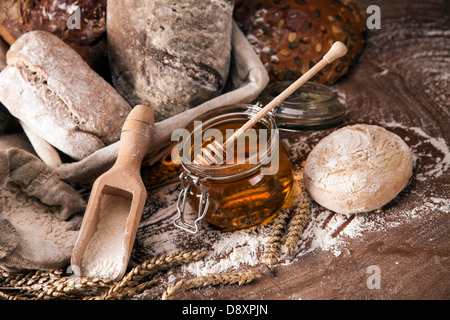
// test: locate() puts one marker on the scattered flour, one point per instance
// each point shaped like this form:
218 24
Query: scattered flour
440 165
231 252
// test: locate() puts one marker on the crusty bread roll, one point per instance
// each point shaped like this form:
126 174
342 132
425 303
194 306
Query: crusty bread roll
291 35
3 50
50 88
85 32
357 168
172 55
4 116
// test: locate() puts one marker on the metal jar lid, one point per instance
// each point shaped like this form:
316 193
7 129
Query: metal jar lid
311 107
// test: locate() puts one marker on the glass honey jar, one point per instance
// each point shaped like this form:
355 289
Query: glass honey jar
313 106
245 191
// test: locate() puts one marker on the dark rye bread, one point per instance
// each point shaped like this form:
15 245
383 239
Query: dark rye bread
171 55
53 91
291 36
18 17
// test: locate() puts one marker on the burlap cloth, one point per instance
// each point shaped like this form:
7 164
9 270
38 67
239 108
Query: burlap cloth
39 214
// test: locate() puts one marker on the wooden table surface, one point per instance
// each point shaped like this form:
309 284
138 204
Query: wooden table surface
402 83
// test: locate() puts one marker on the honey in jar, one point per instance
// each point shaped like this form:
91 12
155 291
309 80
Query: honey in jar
249 187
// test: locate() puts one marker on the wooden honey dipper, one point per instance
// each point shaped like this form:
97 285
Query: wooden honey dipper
213 151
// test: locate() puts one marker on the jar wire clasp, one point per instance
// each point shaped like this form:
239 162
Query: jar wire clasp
180 220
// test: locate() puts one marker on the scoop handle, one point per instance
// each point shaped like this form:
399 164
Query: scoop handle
136 136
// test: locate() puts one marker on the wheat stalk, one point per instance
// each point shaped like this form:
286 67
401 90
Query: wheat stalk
5 296
159 263
293 218
125 292
297 225
151 266
69 287
53 285
49 284
273 245
212 279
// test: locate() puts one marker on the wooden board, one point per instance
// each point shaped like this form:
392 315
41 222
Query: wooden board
401 82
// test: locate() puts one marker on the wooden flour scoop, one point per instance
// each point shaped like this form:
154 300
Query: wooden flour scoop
214 153
115 205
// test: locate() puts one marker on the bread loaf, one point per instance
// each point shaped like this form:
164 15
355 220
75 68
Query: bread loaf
4 115
171 55
86 33
3 50
357 168
293 35
49 87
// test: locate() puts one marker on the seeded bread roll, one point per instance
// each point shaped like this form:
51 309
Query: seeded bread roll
172 55
293 35
88 38
52 90
357 168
